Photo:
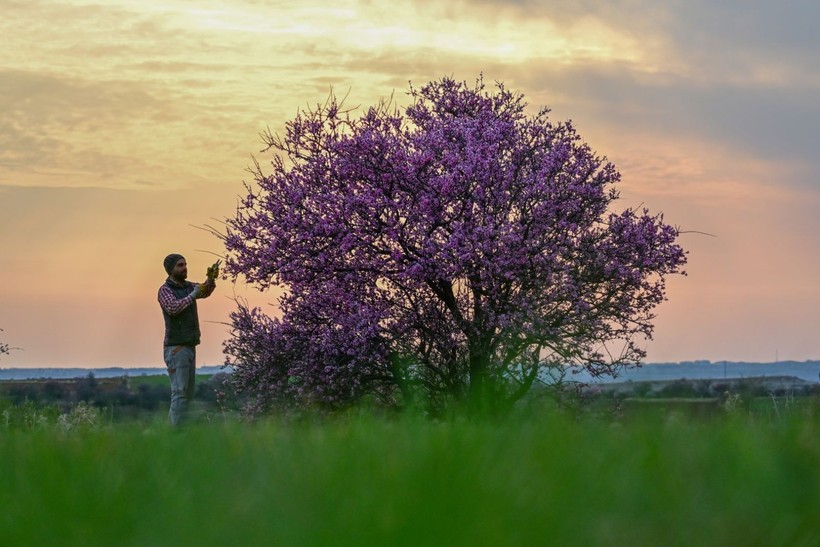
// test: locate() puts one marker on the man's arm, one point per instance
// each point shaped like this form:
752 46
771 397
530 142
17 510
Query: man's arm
171 303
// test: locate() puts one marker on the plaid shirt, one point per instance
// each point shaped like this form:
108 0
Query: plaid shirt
174 305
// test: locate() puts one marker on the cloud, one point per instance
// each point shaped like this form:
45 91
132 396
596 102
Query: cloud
738 74
762 121
116 94
739 35
71 130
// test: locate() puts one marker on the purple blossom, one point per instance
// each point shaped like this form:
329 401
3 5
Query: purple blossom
447 253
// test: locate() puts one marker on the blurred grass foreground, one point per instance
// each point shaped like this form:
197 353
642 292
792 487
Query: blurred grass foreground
364 480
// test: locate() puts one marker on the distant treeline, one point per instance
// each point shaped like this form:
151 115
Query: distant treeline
764 386
60 373
125 396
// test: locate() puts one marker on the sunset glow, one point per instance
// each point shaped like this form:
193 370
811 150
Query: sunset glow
127 127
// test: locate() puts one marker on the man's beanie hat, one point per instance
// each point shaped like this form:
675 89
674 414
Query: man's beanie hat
171 261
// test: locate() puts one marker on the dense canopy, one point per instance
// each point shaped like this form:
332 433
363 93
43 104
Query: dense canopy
448 252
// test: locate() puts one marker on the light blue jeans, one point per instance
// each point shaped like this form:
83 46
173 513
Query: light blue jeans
181 364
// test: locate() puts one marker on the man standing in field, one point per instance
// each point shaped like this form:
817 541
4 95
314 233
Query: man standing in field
177 298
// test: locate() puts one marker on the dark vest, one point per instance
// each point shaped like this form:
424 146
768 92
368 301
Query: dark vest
181 329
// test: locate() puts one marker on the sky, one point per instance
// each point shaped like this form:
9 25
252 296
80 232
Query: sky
127 127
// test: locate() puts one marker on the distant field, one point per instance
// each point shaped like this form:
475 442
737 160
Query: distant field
160 379
151 380
119 399
363 480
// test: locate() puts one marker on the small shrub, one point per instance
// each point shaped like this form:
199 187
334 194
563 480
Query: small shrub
81 417
27 416
732 403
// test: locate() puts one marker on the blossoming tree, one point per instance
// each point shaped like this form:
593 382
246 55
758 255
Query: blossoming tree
449 252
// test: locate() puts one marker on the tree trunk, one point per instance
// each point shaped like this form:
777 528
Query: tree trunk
479 395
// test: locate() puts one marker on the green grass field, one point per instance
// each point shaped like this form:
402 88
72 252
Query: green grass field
363 480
